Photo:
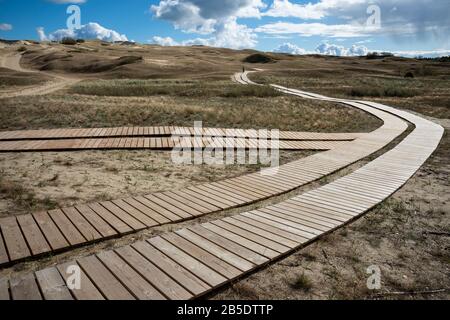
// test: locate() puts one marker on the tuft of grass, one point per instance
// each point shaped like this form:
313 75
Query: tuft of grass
145 88
385 91
302 282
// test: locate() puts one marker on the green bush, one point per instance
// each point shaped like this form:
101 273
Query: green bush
69 41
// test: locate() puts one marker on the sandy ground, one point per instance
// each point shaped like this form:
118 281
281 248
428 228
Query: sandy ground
34 181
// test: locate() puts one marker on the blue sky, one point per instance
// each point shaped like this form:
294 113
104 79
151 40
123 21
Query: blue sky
342 27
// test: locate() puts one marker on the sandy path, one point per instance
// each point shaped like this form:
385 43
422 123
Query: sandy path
59 82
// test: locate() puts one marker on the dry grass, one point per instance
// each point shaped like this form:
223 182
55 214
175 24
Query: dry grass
181 88
242 108
10 78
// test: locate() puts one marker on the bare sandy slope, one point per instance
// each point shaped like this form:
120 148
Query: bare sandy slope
12 62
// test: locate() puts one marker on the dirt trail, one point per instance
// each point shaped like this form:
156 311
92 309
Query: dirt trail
59 82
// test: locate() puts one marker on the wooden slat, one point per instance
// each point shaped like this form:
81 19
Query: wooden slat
95 220
33 235
104 280
87 290
85 228
132 280
52 285
25 288
52 234
199 269
4 289
224 268
69 231
3 253
160 280
14 240
175 270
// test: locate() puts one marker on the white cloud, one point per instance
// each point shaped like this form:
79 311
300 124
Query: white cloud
424 19
229 35
285 8
215 19
422 53
5 27
341 51
291 49
88 31
324 49
165 41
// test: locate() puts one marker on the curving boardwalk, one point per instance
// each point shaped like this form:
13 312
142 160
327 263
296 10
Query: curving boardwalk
190 262
163 138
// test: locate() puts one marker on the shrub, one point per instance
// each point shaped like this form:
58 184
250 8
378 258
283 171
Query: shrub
69 41
409 74
22 49
258 58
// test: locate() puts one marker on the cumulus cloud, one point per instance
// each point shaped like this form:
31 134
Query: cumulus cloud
5 27
215 21
341 51
291 49
424 19
228 35
324 49
88 31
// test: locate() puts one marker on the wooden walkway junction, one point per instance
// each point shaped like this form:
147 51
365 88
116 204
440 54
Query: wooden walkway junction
190 262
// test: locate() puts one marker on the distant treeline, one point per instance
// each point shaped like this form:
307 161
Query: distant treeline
438 59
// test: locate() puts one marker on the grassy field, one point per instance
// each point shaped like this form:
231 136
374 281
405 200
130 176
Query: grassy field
428 95
217 104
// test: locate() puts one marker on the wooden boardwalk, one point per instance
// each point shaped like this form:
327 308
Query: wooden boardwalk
193 261
164 138
41 233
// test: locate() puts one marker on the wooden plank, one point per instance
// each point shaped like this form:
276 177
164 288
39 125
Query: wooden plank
235 248
87 290
95 220
234 227
261 230
168 206
69 231
33 235
208 275
224 268
158 209
3 253
4 289
180 204
189 201
120 226
147 211
251 245
52 285
104 280
54 237
176 271
124 216
159 278
85 228
25 288
135 213
14 240
131 279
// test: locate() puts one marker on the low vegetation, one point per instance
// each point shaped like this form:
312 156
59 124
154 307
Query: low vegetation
142 88
217 104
